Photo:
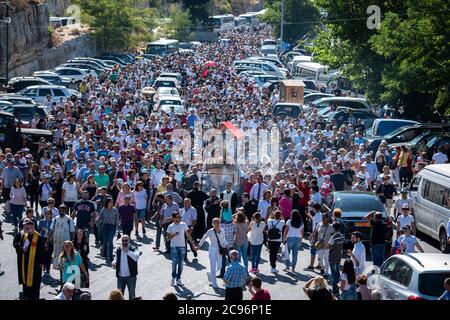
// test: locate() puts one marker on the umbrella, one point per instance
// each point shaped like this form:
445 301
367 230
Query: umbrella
210 64
148 90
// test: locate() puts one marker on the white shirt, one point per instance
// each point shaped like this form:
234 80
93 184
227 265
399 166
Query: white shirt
140 198
440 158
405 220
294 232
157 176
262 207
178 240
400 202
272 223
256 234
359 251
316 220
70 192
124 269
188 215
254 191
211 235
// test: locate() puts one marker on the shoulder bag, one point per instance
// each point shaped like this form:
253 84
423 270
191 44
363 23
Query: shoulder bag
223 251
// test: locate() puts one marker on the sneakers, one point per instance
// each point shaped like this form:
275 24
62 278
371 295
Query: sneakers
143 231
155 248
215 286
310 268
173 281
180 283
274 270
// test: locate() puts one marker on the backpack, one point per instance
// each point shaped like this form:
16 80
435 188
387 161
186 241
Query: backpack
274 233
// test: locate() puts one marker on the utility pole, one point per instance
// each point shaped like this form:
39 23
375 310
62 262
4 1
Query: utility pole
282 22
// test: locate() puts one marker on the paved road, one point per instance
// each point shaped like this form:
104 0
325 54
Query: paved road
154 273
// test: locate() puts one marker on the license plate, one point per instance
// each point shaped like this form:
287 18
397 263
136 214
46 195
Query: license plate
361 224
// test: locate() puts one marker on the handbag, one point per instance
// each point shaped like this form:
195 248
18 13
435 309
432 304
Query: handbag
319 245
223 251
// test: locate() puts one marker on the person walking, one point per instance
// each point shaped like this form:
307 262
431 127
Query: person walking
275 233
176 233
126 265
140 197
358 255
9 174
18 201
217 245
198 198
44 230
70 264
167 211
292 237
61 230
30 249
235 278
256 237
241 238
189 216
335 246
323 235
109 219
126 214
212 208
377 237
408 242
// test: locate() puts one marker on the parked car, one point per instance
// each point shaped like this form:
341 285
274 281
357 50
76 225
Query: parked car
17 99
94 70
341 115
175 75
433 141
287 109
25 113
354 103
270 49
414 276
260 80
166 82
382 127
113 58
430 190
309 84
19 83
408 133
53 78
92 61
40 93
308 98
72 73
355 205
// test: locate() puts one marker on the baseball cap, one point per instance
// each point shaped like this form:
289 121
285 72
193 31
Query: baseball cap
405 206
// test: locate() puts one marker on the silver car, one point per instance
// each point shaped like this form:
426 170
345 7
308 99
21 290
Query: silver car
415 276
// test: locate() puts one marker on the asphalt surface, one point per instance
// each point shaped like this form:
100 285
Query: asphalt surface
154 276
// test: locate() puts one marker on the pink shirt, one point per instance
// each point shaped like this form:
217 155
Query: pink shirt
286 207
121 199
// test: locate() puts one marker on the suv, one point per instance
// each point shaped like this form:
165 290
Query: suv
341 115
415 276
40 93
287 109
25 113
52 77
20 83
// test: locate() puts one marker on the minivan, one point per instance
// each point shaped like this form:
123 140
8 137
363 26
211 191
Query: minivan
430 190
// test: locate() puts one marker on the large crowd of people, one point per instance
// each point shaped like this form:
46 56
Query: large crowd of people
109 171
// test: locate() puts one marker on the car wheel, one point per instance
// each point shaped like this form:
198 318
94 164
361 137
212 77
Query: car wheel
443 242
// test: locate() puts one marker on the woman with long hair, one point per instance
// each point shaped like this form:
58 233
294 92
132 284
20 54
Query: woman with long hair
265 202
90 186
275 238
109 220
81 244
348 281
18 201
293 235
70 192
240 237
125 191
140 196
70 265
256 238
274 206
57 184
33 178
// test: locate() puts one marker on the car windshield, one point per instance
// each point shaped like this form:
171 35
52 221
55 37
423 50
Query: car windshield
417 139
177 109
355 203
171 102
431 283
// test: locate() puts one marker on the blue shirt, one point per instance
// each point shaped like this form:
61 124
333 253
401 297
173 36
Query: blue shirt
235 275
191 120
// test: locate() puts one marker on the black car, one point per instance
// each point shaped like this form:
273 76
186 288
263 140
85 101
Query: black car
20 83
26 113
355 206
405 134
343 114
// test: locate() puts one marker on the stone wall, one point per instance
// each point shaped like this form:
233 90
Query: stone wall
81 46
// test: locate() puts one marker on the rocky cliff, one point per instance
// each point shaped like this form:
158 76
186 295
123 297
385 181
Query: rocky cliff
28 34
58 7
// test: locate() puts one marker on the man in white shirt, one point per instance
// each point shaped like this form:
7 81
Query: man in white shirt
401 201
358 255
440 157
405 219
258 189
125 264
176 233
157 175
408 242
189 217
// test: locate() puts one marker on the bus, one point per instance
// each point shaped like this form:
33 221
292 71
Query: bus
222 23
251 18
312 71
162 47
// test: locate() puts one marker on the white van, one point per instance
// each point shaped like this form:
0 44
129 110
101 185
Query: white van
296 60
430 190
311 71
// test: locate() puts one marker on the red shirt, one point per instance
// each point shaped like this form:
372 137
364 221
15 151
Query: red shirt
306 195
248 187
262 295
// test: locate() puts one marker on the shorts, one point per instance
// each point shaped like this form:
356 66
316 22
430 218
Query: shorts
140 214
313 250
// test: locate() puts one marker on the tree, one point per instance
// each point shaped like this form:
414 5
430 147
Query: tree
200 10
300 16
117 24
402 64
180 23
